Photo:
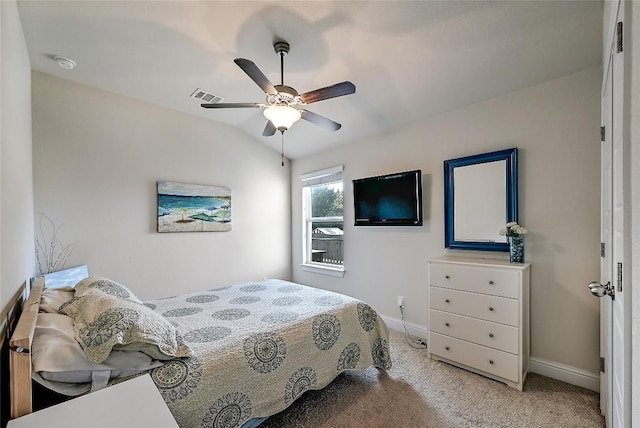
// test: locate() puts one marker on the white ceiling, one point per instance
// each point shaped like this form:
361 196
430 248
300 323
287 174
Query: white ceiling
408 59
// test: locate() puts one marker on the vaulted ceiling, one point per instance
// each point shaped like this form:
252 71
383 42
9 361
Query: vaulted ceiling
408 59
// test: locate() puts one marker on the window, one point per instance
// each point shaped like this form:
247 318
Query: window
322 211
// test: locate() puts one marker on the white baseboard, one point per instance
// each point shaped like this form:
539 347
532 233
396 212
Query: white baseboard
562 372
413 329
568 374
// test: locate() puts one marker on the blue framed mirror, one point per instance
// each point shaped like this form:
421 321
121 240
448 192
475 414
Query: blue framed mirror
480 197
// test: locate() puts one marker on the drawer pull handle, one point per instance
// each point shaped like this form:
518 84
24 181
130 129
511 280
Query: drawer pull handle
491 362
490 308
446 347
490 334
446 300
447 324
490 282
446 276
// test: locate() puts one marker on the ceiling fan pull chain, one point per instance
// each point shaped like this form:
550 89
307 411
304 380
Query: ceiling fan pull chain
282 147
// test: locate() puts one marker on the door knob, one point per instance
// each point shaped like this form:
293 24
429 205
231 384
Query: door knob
600 290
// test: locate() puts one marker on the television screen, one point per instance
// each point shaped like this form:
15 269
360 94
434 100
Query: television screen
389 200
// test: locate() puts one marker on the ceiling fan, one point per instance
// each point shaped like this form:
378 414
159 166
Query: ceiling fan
281 99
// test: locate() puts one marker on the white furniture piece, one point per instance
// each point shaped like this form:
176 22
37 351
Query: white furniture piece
479 316
133 403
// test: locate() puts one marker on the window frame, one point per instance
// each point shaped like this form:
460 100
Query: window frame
310 180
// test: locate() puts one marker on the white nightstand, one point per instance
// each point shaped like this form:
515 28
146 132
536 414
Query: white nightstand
135 403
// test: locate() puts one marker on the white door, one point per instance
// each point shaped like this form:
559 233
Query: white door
606 237
620 388
615 388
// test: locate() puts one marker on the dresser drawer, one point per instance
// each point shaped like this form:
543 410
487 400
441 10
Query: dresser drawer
484 280
489 360
498 336
490 308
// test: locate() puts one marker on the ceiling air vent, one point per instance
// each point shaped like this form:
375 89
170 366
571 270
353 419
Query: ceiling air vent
204 96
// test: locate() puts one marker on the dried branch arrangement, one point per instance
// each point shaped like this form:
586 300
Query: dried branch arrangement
51 253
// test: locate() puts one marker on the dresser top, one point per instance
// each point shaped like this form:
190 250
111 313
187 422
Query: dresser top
471 261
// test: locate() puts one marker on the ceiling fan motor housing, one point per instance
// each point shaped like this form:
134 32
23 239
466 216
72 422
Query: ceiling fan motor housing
286 96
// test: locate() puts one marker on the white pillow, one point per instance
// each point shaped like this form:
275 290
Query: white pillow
53 298
58 357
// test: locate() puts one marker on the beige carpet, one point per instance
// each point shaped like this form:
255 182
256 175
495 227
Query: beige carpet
418 392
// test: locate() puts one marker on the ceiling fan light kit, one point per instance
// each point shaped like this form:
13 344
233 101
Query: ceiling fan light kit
282 116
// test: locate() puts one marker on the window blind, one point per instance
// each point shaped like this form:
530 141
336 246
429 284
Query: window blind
324 176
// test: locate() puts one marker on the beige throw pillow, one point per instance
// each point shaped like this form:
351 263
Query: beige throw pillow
103 322
93 284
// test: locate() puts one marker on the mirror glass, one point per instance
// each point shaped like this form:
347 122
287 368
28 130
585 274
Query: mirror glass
480 198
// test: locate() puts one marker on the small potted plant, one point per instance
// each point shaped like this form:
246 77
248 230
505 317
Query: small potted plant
515 233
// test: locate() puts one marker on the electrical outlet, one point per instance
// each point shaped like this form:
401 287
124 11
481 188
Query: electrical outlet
401 302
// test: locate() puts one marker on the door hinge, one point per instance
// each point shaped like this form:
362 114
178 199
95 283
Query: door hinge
602 364
602 133
602 250
619 38
620 277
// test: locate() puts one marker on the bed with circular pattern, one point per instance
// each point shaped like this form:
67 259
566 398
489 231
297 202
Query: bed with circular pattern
225 357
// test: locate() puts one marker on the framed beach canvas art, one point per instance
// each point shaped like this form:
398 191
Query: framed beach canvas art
193 208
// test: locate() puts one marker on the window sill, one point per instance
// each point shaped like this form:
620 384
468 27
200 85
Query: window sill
323 269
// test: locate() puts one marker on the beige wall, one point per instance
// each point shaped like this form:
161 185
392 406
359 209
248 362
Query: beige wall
555 127
16 194
97 157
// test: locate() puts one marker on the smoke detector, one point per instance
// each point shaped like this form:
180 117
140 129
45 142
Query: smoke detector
66 63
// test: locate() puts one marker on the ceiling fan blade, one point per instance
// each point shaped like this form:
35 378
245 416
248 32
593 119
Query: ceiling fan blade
319 120
337 90
232 105
269 129
256 75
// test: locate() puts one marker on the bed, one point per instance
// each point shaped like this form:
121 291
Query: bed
241 353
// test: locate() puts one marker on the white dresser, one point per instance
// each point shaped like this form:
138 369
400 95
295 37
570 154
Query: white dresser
479 316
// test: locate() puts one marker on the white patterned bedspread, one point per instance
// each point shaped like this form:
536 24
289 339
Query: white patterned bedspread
259 346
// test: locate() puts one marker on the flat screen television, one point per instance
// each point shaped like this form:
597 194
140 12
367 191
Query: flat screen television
389 200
